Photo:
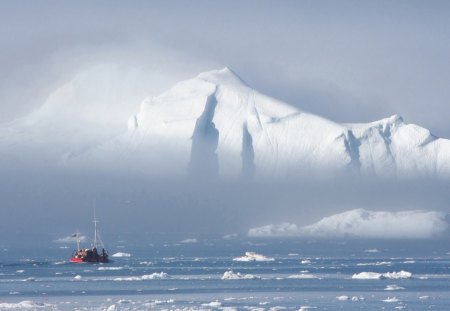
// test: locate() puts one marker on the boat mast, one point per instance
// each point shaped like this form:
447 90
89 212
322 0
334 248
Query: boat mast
95 229
78 240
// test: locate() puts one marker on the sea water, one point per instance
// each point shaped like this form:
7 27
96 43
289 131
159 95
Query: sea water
203 274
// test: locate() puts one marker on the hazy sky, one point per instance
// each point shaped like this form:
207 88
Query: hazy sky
349 61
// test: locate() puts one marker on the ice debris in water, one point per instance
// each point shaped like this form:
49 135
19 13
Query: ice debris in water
110 268
189 241
121 254
389 299
213 304
230 275
145 277
377 276
394 287
302 276
252 256
23 305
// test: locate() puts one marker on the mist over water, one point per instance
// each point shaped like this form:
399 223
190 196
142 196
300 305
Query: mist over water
49 204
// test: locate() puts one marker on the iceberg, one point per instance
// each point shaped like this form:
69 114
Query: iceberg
214 125
361 223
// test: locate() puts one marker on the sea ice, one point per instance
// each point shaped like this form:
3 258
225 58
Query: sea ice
377 276
26 304
302 276
189 241
343 298
230 275
394 287
121 254
389 299
145 277
367 276
252 256
212 304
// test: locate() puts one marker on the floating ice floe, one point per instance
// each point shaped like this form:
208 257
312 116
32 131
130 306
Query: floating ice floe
343 298
354 298
212 304
378 263
110 268
121 254
189 241
372 250
230 275
377 276
389 299
26 304
252 256
393 287
302 276
145 277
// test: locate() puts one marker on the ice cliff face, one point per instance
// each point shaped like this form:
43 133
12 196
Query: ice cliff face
215 125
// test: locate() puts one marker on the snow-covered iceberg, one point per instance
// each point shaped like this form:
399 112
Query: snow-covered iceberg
361 223
216 125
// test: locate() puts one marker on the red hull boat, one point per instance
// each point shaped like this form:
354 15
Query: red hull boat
81 255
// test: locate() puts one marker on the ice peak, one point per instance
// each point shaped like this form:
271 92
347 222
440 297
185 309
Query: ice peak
394 119
222 76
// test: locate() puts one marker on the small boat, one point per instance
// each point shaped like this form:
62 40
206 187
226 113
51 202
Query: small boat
92 254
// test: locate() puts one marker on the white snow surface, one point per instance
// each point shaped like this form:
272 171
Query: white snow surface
214 124
363 223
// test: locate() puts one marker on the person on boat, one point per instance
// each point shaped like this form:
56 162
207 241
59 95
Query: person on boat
103 252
